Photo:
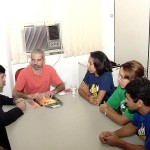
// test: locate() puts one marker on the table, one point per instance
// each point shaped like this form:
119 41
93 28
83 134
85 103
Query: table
74 126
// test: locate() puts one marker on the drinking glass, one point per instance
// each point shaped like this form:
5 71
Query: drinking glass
73 89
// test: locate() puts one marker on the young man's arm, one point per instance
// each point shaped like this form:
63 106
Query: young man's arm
113 141
112 138
127 130
113 115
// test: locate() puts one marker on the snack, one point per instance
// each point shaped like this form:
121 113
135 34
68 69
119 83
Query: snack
45 101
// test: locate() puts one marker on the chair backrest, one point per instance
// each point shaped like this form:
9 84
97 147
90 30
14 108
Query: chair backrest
17 73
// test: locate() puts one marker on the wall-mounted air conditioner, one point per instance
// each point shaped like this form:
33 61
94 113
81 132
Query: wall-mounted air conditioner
42 37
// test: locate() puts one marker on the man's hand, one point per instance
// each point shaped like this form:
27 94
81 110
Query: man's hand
112 140
109 138
37 96
103 135
50 94
33 96
20 103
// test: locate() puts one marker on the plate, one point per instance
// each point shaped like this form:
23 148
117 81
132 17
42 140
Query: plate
57 104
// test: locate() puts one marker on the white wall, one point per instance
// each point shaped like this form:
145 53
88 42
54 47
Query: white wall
5 61
131 31
67 68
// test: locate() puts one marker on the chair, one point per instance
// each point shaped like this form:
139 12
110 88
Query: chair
17 73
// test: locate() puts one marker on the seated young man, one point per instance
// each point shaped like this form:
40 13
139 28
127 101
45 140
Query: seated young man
10 116
138 100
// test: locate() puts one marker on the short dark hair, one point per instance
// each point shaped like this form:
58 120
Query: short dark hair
101 62
139 89
2 69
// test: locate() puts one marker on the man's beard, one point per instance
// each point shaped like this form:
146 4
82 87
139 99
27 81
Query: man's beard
36 67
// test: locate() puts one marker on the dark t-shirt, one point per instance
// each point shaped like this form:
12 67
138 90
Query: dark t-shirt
97 83
143 124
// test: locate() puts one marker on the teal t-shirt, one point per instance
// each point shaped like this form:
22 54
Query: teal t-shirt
117 102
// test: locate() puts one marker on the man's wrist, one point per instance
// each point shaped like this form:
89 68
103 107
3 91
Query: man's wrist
55 91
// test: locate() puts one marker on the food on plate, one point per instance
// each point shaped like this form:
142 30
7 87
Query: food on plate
47 101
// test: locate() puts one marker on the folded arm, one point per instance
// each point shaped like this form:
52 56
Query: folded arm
112 138
115 141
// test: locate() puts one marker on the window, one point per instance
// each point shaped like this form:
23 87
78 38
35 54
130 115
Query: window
42 37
